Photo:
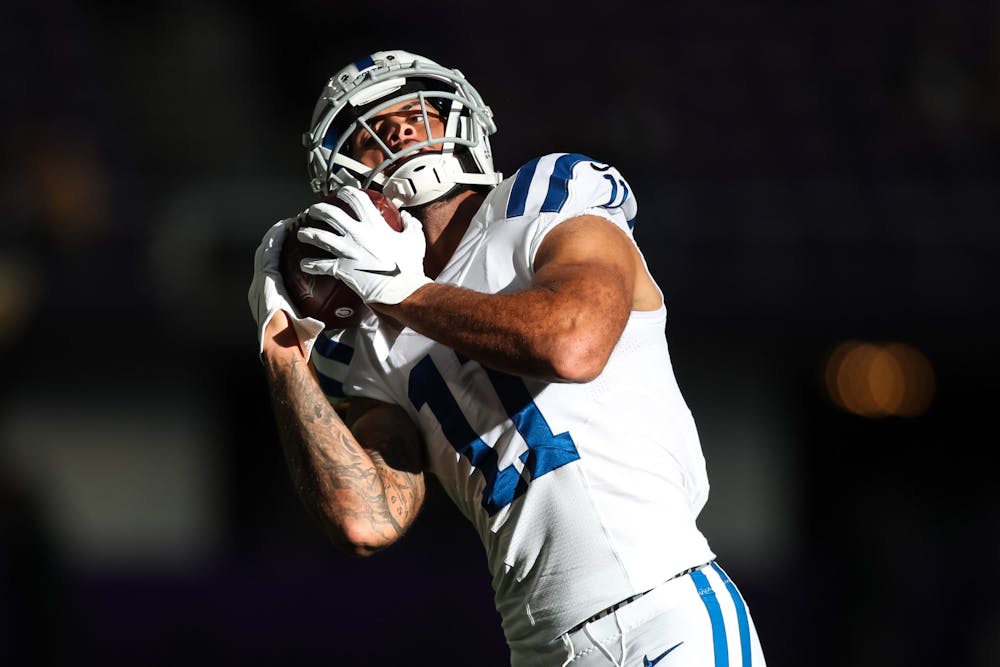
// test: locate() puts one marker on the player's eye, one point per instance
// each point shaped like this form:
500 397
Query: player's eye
363 140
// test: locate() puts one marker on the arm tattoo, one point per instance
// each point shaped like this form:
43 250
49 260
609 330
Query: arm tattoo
376 488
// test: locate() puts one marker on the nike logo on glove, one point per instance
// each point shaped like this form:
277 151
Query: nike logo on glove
646 662
390 273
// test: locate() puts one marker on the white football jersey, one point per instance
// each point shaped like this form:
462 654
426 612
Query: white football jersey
582 494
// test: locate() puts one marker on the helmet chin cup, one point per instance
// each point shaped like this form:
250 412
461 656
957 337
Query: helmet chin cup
422 179
377 81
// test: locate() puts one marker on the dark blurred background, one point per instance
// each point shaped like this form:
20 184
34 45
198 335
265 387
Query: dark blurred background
818 197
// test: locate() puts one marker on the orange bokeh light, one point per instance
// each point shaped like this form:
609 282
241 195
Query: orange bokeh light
879 379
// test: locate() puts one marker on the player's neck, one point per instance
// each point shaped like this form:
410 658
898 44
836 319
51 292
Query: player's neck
445 223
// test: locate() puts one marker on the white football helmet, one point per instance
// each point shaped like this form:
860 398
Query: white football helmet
361 91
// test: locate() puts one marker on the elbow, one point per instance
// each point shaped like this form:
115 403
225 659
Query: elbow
579 349
362 548
356 540
577 361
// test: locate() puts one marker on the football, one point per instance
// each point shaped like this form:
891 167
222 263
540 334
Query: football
324 297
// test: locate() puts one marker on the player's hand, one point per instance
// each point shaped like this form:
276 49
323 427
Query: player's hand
379 263
267 294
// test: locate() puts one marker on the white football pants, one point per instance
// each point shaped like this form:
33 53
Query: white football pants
696 620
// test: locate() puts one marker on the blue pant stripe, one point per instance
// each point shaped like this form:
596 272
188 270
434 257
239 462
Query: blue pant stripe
715 615
741 614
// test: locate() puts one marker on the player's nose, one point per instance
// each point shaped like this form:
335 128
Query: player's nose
398 132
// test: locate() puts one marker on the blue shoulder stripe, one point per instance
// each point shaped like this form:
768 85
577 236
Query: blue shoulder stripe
559 182
519 192
557 191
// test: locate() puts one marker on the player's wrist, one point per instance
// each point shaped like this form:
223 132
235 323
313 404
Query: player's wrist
400 289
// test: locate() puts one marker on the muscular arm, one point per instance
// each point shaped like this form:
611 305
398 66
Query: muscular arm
364 496
588 277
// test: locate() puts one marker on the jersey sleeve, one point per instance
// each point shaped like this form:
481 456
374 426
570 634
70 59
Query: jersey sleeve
559 186
344 366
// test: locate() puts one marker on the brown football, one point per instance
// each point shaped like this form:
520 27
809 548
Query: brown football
324 297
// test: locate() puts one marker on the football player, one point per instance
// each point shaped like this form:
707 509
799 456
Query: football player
516 350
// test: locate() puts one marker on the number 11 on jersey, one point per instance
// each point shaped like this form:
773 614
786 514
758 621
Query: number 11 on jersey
546 451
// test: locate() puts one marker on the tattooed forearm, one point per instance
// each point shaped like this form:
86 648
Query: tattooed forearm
355 477
364 496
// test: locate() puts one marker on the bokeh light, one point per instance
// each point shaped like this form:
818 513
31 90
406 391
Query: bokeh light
879 379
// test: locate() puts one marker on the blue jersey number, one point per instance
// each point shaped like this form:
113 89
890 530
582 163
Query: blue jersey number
546 450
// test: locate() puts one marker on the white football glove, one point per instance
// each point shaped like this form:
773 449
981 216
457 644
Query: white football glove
267 294
379 263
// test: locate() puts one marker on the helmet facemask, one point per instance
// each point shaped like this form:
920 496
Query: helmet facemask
410 176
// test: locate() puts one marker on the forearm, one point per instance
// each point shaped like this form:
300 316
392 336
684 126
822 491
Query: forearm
361 502
468 322
546 332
